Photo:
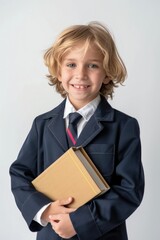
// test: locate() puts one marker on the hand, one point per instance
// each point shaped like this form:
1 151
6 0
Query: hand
62 225
57 207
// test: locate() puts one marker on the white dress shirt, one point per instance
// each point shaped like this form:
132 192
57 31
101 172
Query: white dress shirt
87 111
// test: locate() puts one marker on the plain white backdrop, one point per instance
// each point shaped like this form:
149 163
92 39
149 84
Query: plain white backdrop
27 29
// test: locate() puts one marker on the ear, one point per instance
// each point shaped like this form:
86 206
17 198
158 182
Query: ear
106 80
59 76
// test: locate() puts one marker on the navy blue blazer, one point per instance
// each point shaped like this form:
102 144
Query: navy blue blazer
111 139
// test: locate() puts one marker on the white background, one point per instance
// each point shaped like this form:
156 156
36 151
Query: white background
27 29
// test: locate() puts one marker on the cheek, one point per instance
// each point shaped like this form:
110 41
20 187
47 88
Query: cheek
99 79
62 77
65 75
65 81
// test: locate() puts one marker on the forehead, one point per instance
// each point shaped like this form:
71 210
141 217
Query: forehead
82 50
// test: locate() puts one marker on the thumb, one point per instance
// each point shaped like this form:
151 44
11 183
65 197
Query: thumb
65 201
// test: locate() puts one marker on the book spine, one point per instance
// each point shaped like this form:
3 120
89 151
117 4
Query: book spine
83 171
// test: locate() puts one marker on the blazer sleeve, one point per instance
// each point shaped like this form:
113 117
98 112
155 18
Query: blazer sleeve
22 172
106 212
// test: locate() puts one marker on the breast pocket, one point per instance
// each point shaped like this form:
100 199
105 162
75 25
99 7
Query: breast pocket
102 156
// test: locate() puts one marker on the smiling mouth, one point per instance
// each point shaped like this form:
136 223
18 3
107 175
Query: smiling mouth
80 86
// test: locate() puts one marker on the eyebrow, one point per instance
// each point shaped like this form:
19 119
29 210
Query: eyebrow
88 60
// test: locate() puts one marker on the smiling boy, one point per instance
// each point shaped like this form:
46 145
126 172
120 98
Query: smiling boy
85 67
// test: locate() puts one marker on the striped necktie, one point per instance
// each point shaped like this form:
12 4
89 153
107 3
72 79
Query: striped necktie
72 128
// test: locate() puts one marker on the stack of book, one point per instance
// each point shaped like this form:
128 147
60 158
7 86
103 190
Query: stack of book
72 175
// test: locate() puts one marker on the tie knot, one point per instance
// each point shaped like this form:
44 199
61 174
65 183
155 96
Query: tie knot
74 118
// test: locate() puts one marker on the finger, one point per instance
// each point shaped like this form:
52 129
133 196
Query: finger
65 201
55 217
69 210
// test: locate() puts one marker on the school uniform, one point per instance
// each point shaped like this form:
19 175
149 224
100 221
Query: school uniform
111 139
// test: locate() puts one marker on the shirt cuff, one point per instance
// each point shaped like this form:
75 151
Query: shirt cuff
37 217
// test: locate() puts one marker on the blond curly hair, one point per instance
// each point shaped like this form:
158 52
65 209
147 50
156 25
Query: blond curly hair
93 33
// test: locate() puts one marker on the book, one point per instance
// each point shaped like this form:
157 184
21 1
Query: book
72 175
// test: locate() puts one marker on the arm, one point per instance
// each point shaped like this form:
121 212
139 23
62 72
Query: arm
27 166
22 172
108 211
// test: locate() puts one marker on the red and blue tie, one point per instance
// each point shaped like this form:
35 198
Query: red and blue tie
72 128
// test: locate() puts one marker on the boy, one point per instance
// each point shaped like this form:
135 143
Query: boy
85 66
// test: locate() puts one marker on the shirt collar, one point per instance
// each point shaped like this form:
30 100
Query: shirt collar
87 111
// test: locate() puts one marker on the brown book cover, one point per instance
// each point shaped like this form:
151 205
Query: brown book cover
71 175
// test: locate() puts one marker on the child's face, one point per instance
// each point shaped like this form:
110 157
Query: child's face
82 74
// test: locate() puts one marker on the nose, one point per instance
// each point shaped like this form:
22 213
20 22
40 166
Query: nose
81 72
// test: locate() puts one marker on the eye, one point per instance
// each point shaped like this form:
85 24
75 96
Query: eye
92 65
71 65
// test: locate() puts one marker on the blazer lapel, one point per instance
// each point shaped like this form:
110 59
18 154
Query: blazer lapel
103 113
89 132
57 126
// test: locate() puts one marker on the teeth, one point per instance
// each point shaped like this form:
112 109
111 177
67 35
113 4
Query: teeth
80 86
